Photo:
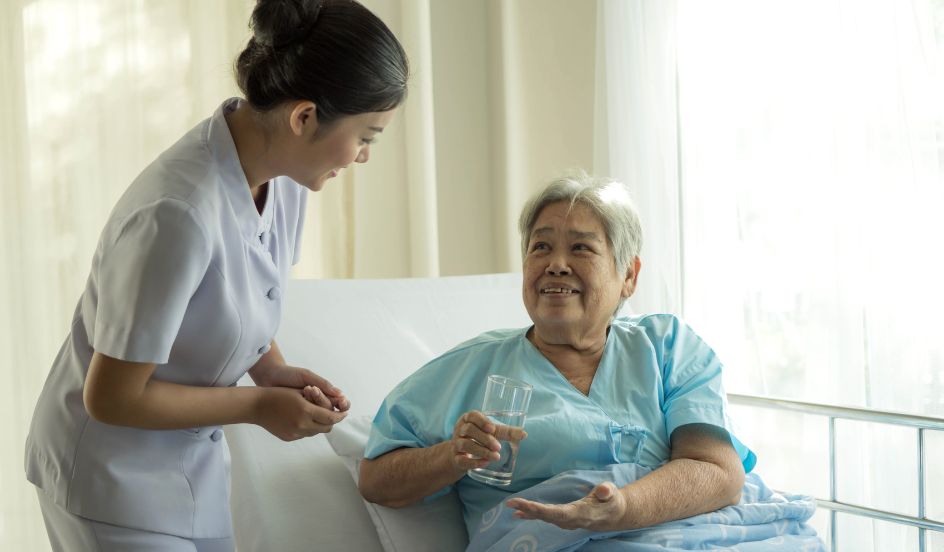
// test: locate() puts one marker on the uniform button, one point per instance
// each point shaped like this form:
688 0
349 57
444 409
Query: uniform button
216 435
264 349
274 294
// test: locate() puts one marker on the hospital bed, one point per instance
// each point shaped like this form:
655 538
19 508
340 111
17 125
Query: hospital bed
366 336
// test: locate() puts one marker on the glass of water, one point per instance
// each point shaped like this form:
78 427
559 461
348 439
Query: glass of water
506 403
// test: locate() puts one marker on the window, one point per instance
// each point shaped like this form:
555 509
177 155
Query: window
811 140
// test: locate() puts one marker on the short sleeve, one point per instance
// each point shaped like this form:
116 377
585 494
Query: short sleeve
150 265
395 426
402 422
693 389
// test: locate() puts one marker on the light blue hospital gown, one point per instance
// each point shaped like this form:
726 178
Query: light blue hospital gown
655 375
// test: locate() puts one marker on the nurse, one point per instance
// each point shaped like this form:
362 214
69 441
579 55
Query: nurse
606 390
186 288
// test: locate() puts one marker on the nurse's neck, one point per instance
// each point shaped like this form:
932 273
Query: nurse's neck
254 148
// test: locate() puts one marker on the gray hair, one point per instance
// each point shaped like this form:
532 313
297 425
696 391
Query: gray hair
606 198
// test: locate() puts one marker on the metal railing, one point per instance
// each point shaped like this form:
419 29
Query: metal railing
920 423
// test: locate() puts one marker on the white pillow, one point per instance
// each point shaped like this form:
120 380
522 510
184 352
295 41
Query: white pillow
364 336
434 526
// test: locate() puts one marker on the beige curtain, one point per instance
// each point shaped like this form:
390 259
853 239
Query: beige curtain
501 100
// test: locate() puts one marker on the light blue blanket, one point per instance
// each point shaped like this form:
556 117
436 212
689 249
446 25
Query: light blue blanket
762 521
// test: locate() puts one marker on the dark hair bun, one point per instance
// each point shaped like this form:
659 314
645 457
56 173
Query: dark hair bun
335 53
278 24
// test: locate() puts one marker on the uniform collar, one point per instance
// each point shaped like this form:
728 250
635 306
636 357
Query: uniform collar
219 140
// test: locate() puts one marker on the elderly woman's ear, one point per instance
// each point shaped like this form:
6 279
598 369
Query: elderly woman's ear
632 274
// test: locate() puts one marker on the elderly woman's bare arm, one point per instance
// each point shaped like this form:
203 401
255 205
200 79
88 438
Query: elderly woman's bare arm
703 475
407 475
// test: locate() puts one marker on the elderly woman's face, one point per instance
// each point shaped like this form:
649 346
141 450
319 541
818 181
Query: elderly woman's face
571 286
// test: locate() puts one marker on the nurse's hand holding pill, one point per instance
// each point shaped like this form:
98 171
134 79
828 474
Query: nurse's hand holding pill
290 414
331 398
315 388
302 404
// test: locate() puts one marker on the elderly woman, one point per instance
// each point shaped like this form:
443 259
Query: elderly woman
644 389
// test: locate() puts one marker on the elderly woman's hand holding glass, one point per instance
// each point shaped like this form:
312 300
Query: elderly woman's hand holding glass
606 390
476 440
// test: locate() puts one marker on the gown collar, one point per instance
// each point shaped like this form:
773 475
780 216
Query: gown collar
547 369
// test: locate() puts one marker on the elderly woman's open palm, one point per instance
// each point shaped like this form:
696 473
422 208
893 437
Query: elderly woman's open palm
601 510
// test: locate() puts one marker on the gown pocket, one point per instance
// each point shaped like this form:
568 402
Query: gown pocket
627 442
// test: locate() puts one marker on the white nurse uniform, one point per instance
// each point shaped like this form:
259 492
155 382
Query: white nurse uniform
187 275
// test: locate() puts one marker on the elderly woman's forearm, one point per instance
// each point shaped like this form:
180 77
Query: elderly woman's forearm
405 476
681 488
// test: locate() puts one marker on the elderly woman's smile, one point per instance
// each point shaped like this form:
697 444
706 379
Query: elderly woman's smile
571 284
559 290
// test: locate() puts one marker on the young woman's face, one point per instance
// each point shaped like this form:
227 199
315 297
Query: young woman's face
321 153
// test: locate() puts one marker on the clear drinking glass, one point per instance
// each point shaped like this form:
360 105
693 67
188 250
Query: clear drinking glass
506 403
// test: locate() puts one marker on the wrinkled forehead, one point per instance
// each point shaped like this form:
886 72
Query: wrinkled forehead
575 219
572 233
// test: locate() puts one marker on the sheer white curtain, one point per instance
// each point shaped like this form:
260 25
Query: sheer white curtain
92 91
803 212
636 134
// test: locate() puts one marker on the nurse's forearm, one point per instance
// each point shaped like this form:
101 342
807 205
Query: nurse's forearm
122 393
407 475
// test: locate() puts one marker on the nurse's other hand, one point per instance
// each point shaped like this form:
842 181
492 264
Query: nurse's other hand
325 394
601 510
475 440
315 396
287 414
320 390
